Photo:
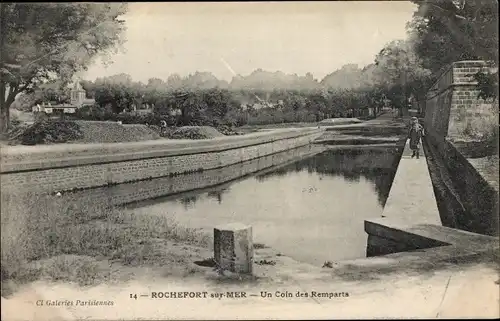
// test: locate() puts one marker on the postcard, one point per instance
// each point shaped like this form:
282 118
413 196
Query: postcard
249 160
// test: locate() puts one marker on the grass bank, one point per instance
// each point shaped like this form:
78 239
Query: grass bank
477 130
54 131
81 241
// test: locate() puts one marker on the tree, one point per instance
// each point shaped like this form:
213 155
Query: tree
448 30
399 70
119 91
193 108
52 92
219 103
89 88
174 81
347 77
43 41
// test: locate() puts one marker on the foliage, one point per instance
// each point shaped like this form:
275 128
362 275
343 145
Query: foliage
267 81
50 131
53 91
400 71
347 77
445 31
95 113
43 41
195 132
218 107
483 128
448 30
488 85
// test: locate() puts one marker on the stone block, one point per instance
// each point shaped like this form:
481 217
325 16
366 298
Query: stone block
233 248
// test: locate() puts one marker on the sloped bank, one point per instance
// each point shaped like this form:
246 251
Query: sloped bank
465 197
151 190
463 162
77 166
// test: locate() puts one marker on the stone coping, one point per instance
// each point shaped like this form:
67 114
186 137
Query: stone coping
435 90
436 243
459 64
487 167
411 197
399 231
25 158
481 159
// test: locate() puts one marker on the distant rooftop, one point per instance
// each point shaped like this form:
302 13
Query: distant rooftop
77 86
57 105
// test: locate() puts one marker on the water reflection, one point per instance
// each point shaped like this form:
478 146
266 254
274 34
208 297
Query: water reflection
217 194
188 201
378 166
312 209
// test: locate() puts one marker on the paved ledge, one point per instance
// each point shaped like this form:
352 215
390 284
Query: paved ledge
429 235
410 229
411 198
24 158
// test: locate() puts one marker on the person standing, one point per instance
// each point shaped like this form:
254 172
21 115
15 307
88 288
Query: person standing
163 128
415 134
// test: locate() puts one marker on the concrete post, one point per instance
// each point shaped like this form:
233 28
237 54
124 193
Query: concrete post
233 248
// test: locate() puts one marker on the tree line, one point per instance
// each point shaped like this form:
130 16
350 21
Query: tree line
68 36
218 106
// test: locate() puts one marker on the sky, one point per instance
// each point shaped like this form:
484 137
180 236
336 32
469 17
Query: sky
228 38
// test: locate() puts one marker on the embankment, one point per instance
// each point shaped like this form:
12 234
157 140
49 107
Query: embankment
151 189
465 179
452 190
77 166
465 198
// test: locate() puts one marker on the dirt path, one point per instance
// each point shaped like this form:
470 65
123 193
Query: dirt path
467 291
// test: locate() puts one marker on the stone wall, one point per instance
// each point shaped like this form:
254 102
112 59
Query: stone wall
387 238
166 186
466 200
452 103
83 167
425 242
466 197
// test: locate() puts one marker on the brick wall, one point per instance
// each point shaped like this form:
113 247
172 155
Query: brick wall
79 171
465 198
164 186
453 100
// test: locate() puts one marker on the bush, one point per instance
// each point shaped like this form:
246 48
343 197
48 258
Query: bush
50 131
194 132
481 127
131 118
95 113
226 130
103 114
276 116
16 129
14 121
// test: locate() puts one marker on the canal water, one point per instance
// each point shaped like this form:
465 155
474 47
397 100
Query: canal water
312 210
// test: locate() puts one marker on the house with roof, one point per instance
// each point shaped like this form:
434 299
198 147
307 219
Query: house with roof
79 96
78 99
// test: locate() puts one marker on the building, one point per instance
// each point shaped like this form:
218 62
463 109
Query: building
51 108
78 98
